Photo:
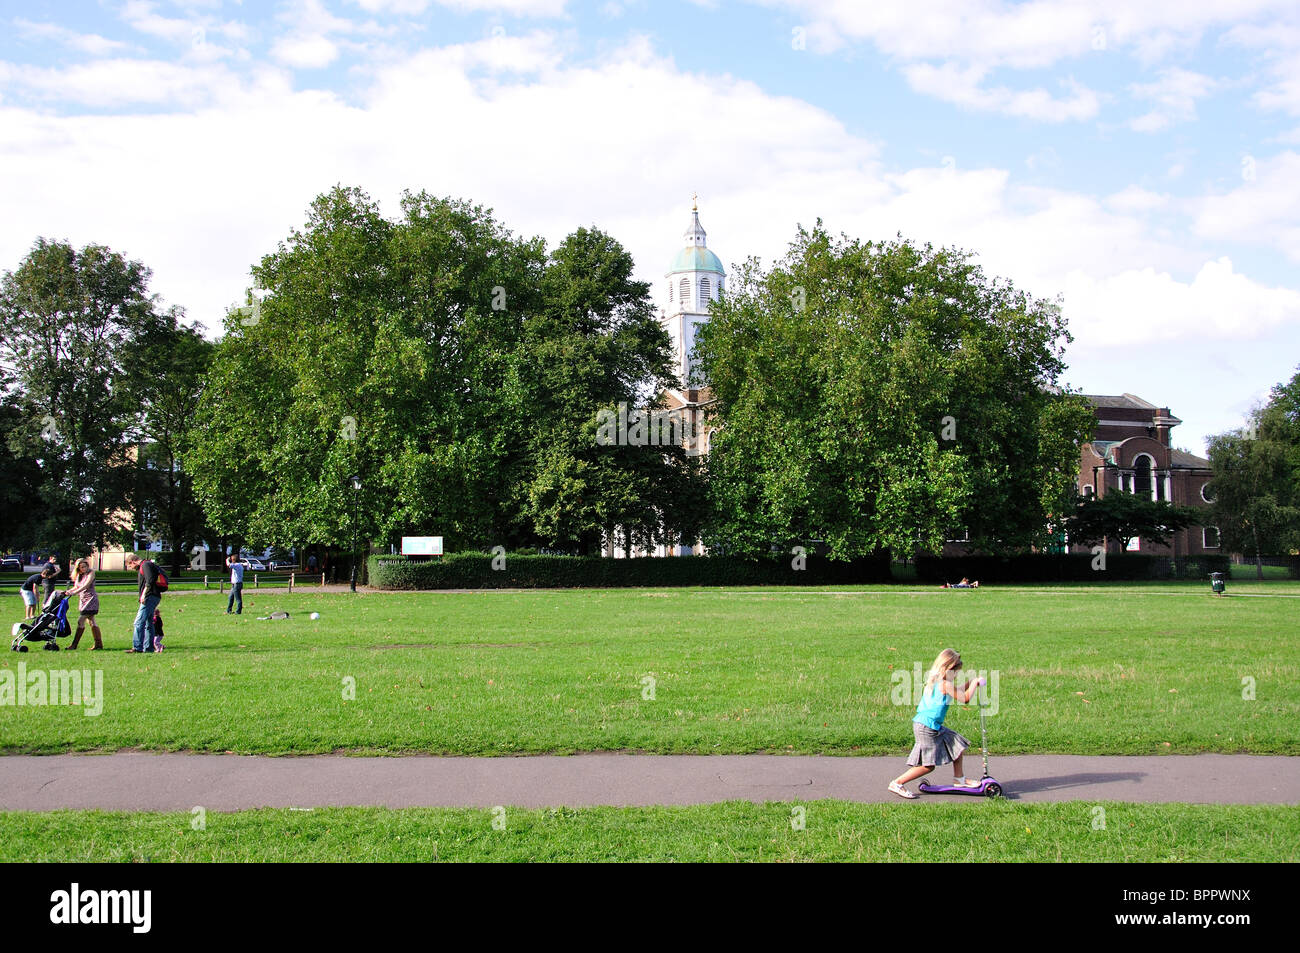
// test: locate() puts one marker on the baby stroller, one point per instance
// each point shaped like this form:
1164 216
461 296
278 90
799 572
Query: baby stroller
48 627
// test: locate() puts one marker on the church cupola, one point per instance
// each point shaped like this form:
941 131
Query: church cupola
695 279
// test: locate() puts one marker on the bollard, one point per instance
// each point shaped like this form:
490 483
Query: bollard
205 580
291 575
254 580
322 579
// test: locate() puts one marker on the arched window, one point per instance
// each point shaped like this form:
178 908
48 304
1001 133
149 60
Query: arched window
685 290
1089 491
1142 476
704 290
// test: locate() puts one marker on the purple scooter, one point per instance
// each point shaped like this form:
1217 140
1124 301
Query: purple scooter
987 787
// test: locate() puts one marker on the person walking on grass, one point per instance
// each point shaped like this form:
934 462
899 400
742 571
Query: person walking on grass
150 596
236 584
935 744
83 587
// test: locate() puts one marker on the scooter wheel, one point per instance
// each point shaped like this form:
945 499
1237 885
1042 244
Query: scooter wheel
993 790
22 648
51 646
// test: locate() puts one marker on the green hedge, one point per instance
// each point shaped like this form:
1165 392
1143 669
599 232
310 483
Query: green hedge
1043 567
474 571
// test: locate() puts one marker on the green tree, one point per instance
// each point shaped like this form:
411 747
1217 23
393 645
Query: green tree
1256 482
165 376
1122 516
455 367
70 319
593 343
20 479
877 395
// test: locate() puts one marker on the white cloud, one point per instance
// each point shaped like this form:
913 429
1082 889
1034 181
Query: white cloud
122 83
200 195
309 51
952 83
1174 94
521 8
91 44
1263 209
1139 306
1135 199
1019 35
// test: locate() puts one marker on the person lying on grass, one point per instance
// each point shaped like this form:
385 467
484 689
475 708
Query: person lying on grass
964 584
935 744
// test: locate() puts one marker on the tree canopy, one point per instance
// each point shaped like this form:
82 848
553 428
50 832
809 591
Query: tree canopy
456 368
1256 482
880 395
74 321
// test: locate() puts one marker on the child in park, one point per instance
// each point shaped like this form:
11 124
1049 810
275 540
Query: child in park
935 744
157 631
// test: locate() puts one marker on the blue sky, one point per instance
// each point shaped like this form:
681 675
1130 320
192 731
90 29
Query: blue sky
1140 160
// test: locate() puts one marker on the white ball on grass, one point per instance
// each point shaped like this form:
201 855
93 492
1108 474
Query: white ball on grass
315 615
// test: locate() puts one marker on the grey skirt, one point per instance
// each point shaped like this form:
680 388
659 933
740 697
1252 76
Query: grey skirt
935 747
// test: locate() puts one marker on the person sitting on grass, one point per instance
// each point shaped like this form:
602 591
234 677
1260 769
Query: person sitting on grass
935 744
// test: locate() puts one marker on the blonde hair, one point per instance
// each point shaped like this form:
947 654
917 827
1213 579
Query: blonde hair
945 662
77 571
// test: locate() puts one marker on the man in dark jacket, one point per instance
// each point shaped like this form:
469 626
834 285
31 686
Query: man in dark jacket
142 641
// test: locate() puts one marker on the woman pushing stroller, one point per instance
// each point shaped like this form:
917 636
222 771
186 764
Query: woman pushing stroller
83 587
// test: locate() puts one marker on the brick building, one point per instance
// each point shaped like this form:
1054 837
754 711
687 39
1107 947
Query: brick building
1130 452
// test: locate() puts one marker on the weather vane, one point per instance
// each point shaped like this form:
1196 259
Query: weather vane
695 202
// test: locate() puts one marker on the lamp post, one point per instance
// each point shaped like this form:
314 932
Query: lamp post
356 517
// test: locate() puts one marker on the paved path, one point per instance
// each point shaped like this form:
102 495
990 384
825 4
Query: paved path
178 782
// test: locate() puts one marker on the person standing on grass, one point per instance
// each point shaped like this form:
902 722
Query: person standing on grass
83 587
28 589
236 584
935 744
142 641
50 571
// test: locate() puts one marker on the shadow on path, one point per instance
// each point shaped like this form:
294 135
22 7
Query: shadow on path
1031 785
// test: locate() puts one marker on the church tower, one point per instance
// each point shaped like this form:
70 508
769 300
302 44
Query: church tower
694 280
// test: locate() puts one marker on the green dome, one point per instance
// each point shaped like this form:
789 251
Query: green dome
696 258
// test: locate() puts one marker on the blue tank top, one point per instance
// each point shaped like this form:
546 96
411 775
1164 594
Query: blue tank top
933 707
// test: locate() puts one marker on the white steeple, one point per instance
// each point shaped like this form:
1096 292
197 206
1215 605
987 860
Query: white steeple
694 280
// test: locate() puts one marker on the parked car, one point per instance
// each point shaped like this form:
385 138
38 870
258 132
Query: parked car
11 564
283 565
253 564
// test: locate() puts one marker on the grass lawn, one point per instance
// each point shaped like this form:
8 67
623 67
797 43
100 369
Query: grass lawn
1132 669
833 830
